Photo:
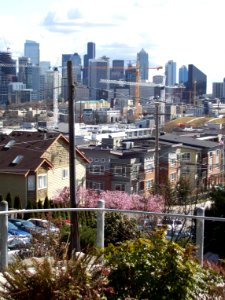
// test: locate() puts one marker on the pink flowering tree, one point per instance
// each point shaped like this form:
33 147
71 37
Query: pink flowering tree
113 199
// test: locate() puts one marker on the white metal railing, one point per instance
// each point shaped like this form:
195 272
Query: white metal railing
4 213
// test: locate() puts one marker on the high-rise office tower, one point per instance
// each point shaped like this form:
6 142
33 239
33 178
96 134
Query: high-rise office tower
31 50
142 58
217 89
45 66
98 69
90 55
7 75
183 74
170 72
65 59
117 70
196 84
25 73
76 61
130 73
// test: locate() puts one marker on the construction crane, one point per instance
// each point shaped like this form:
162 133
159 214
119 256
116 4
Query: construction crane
137 85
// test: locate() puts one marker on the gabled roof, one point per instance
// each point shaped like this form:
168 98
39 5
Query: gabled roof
26 152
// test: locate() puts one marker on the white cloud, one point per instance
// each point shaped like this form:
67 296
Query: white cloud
186 31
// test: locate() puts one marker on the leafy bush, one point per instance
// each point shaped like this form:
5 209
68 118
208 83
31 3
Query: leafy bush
119 228
157 269
79 278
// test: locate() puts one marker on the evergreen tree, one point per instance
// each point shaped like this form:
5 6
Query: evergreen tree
9 200
46 203
29 206
17 203
214 231
169 194
47 206
39 204
183 190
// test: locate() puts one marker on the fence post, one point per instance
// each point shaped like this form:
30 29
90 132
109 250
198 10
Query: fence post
100 224
200 234
3 237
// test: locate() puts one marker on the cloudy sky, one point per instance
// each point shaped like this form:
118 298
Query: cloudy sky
185 31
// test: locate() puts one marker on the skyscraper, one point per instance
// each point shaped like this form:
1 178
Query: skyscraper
7 75
117 70
76 61
217 89
25 71
142 58
65 58
90 55
196 84
170 72
98 69
183 74
31 50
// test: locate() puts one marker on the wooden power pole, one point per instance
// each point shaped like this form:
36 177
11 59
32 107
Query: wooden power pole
156 147
75 238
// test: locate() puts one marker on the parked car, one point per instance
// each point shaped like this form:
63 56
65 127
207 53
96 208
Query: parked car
146 225
173 224
28 226
45 224
17 237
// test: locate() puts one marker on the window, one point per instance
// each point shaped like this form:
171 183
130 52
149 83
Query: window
210 154
95 185
42 181
172 162
186 156
120 187
149 184
118 170
150 167
217 156
95 169
185 169
31 183
172 176
65 173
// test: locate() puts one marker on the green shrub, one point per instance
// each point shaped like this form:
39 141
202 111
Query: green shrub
156 269
119 227
87 236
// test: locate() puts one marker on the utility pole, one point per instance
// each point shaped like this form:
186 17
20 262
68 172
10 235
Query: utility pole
74 233
156 147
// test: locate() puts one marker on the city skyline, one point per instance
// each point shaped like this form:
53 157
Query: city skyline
183 31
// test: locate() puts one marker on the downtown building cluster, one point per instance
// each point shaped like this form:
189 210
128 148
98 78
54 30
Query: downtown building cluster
28 79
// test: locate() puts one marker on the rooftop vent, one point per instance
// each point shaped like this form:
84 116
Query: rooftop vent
17 160
9 144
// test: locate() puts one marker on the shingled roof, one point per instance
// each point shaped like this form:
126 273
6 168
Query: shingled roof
21 152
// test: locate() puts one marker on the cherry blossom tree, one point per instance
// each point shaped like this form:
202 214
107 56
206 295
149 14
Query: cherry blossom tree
113 199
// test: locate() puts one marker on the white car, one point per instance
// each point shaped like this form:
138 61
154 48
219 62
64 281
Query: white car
45 224
173 224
